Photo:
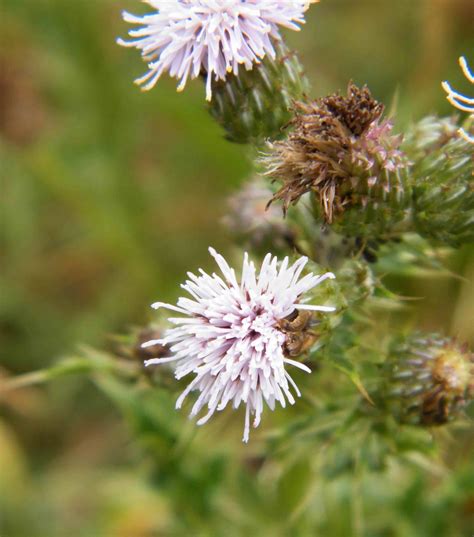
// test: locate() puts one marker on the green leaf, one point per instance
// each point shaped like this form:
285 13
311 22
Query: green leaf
293 488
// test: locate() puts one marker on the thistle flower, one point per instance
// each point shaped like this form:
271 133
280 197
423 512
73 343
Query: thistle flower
237 337
341 150
460 101
430 379
187 38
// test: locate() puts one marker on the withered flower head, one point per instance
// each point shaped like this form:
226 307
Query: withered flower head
357 111
430 379
339 148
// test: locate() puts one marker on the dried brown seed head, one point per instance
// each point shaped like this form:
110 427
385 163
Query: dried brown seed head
337 148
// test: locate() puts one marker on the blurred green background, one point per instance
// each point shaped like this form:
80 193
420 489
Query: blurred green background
110 195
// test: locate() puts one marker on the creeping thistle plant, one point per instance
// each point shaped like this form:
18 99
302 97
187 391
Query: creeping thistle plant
347 183
340 199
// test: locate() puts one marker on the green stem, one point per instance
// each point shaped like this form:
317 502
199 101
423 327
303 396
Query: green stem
71 366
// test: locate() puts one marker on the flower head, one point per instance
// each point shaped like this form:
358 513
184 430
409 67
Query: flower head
460 101
430 379
339 149
187 38
237 336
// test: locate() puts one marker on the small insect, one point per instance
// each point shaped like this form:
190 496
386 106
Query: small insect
446 395
297 328
435 408
152 351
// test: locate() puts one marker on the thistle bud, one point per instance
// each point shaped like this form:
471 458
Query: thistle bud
357 281
255 104
443 181
342 151
259 227
430 379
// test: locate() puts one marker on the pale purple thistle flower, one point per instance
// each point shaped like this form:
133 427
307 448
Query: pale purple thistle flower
460 101
189 37
230 339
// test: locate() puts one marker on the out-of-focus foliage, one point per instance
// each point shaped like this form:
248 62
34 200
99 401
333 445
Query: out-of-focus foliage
108 196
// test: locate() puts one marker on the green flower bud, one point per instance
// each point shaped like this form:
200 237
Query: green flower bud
443 181
255 225
255 104
430 379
